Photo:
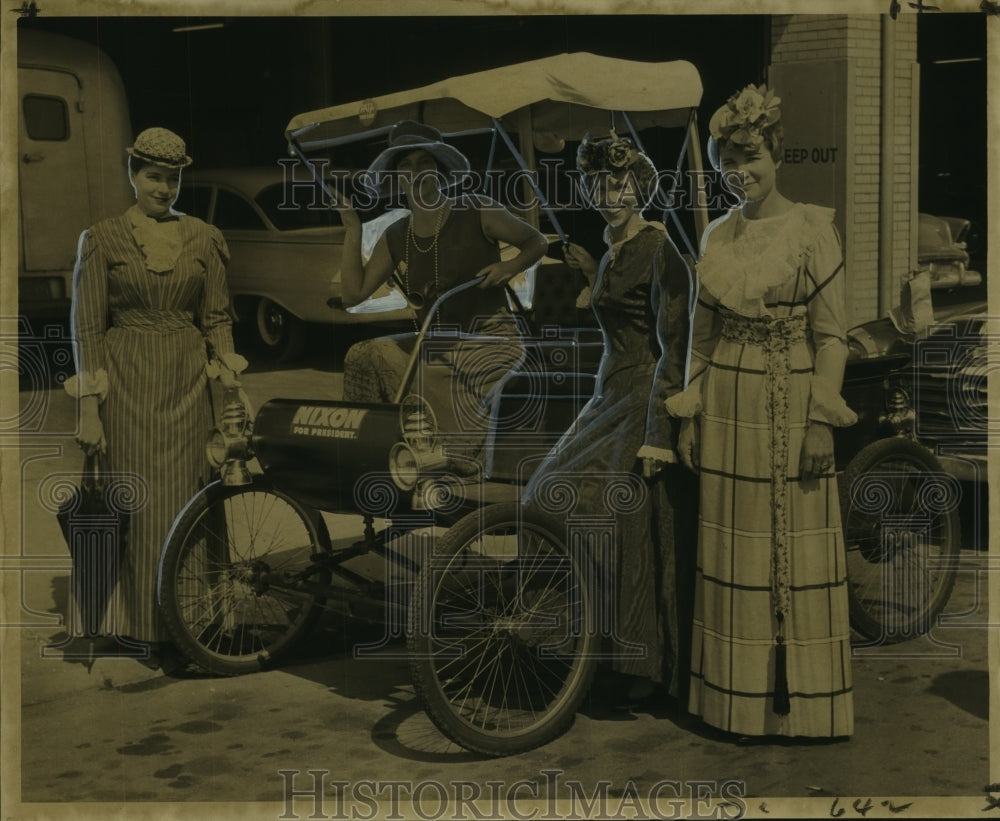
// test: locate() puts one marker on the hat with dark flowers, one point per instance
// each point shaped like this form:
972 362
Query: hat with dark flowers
617 156
614 154
160 146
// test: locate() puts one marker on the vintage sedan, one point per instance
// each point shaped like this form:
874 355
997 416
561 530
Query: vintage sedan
921 371
285 255
913 470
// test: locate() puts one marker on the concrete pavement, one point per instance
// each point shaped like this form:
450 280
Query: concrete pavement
146 745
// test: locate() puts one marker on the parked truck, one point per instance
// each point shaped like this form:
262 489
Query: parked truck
73 130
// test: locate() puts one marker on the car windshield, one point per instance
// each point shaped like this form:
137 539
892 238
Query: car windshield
297 210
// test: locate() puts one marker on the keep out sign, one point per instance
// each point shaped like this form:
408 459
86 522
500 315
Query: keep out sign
817 155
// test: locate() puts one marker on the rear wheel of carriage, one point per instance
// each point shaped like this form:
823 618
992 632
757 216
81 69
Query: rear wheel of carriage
238 583
902 534
500 635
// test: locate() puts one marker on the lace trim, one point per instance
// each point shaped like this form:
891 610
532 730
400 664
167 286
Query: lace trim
744 258
774 334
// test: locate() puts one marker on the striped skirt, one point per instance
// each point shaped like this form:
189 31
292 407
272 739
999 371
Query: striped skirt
157 417
771 566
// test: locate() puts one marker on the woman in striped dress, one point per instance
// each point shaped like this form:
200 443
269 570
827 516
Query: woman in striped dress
771 643
151 322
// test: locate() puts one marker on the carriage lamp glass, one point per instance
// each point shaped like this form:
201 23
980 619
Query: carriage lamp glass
403 466
417 422
228 447
216 449
408 462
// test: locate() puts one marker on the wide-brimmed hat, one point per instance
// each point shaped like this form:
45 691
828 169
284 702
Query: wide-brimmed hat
160 146
407 136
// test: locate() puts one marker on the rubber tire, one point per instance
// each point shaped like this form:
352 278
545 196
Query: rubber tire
280 335
875 623
557 716
266 656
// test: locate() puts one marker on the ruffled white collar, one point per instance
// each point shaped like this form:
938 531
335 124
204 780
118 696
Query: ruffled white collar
160 242
742 259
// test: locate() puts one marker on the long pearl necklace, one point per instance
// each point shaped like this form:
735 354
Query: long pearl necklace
412 238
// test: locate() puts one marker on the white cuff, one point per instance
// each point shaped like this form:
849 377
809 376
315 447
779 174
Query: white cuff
826 405
685 404
661 454
236 363
88 384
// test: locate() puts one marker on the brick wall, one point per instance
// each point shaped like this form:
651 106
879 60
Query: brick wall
857 39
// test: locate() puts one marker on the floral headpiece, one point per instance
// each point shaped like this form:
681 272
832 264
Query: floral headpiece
745 115
613 154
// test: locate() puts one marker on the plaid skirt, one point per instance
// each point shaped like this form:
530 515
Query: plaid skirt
771 567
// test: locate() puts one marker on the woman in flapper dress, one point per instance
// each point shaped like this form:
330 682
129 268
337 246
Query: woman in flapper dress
443 242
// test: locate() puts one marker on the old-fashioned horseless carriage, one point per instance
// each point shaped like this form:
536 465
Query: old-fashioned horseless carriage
499 606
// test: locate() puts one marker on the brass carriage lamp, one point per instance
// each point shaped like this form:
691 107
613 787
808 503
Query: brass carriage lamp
228 447
419 452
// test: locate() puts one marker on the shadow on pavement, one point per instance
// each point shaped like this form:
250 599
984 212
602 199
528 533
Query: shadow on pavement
966 689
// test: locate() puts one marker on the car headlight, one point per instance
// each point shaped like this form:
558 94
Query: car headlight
897 400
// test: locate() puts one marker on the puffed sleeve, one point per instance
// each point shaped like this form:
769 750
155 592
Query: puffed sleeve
89 319
216 320
671 288
706 325
827 308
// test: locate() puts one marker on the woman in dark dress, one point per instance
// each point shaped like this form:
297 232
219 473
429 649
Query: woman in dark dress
443 242
619 453
151 322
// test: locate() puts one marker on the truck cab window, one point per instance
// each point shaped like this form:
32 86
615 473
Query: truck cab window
45 117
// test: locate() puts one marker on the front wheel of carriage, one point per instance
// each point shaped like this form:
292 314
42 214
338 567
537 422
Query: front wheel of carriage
500 635
900 513
239 583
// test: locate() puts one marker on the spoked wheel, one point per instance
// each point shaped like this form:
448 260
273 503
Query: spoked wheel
238 584
500 635
901 529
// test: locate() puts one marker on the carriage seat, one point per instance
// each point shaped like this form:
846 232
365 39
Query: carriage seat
536 403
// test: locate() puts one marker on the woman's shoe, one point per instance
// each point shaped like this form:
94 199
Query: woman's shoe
642 692
642 689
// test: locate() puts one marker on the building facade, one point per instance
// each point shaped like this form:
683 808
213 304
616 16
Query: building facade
850 97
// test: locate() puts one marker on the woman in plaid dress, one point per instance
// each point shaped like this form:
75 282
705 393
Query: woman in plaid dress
771 642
